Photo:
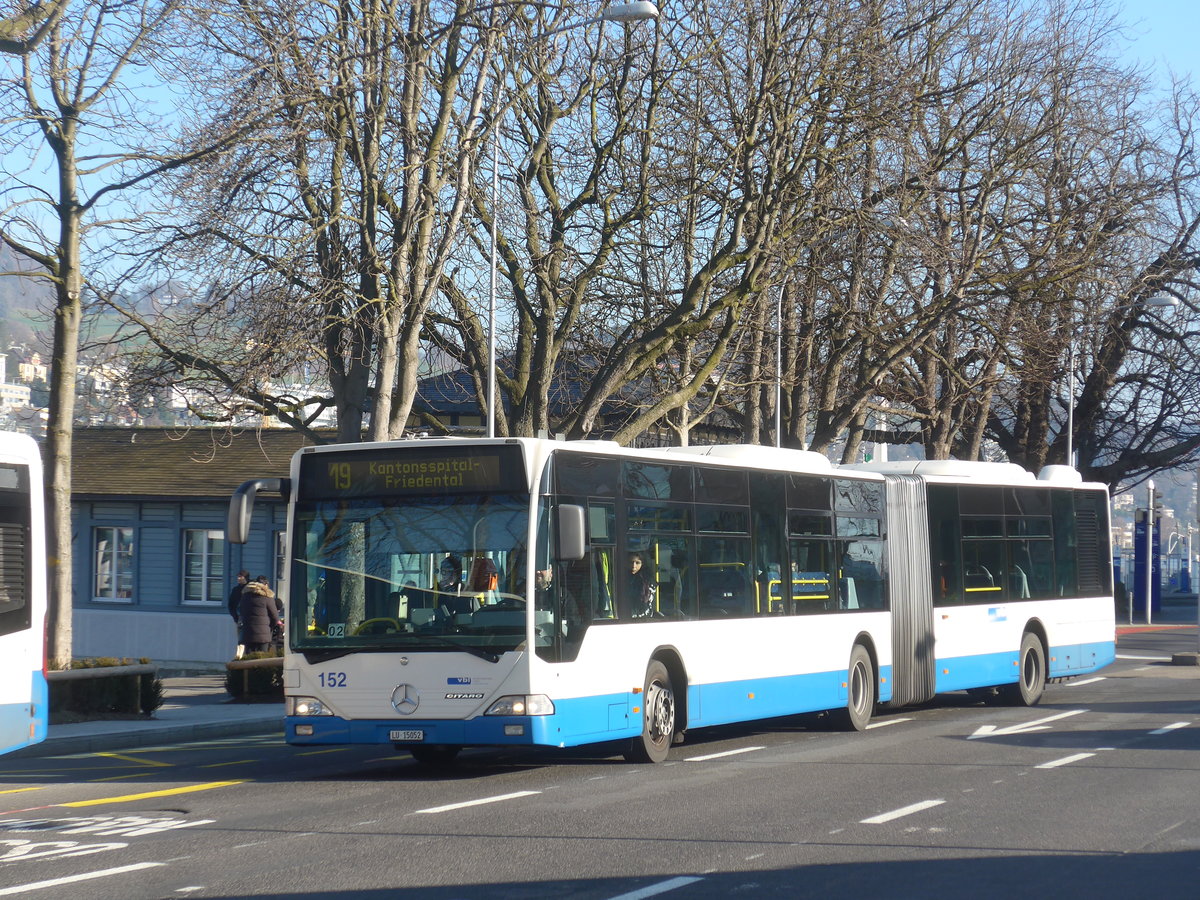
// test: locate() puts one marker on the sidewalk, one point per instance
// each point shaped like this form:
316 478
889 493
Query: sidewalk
195 708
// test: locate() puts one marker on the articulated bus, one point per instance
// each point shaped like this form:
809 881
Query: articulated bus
24 699
452 592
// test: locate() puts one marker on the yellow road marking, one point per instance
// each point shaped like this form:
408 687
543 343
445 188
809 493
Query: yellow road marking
236 762
120 777
136 759
319 752
20 790
170 792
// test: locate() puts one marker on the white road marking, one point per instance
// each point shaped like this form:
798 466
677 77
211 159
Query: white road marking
1036 725
723 753
71 879
902 812
1145 658
1065 761
661 888
497 799
20 850
1174 726
887 722
1085 681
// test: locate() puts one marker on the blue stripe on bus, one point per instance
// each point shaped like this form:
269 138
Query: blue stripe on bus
764 698
16 717
987 669
608 717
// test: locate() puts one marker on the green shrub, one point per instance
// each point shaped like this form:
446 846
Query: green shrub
152 695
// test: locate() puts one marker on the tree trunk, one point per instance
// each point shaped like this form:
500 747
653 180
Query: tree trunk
67 315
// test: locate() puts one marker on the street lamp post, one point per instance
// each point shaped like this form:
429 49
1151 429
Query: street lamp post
637 11
1149 551
1156 302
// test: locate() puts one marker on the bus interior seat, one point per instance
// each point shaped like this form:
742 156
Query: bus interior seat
849 593
1018 583
725 589
484 576
978 577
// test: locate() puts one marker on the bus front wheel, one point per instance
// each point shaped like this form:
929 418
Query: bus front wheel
860 691
658 717
1031 675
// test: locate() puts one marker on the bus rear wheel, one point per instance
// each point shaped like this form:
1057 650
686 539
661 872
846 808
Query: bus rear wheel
860 691
1031 677
658 717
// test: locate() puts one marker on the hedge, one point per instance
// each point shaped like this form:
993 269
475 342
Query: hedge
256 677
106 686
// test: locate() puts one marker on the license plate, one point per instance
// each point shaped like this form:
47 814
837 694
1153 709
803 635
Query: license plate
406 735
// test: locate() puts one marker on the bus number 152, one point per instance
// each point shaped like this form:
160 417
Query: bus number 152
332 679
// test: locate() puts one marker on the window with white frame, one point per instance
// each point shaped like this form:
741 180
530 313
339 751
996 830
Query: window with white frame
203 566
112 555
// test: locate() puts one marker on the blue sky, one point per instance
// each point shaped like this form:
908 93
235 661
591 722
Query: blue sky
1165 33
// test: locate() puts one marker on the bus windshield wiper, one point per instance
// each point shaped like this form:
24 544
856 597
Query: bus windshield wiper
320 656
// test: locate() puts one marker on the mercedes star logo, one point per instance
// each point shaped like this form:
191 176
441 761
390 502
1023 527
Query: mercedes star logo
405 699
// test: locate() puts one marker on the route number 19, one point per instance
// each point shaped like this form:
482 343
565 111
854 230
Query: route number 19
339 476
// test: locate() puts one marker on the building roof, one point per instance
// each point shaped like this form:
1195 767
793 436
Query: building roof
173 462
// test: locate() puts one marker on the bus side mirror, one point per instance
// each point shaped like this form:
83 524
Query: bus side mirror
572 535
241 505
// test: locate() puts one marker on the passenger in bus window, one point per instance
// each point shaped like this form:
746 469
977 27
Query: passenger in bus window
639 587
603 565
449 578
450 600
543 589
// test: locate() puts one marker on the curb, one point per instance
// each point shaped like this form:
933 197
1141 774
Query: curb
1166 626
196 731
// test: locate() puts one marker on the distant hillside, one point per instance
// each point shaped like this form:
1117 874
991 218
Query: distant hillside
24 302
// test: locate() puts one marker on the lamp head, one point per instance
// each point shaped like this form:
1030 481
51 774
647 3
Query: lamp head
638 11
1161 302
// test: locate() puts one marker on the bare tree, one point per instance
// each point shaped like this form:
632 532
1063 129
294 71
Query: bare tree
28 24
334 222
72 89
949 190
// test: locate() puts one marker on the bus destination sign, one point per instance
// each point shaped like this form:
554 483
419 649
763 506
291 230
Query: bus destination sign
389 472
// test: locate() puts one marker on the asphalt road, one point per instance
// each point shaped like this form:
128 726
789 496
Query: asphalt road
1096 792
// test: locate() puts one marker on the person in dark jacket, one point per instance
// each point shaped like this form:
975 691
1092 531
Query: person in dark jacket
235 596
259 615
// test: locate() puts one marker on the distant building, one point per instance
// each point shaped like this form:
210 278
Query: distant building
152 572
14 396
31 368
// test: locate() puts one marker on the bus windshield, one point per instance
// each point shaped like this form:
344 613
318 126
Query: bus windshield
421 572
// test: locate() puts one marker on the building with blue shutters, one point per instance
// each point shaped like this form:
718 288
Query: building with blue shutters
152 571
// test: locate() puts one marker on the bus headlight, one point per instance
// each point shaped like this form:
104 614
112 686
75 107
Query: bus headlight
308 706
522 705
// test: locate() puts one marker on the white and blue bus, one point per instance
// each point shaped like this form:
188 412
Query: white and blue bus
24 700
471 592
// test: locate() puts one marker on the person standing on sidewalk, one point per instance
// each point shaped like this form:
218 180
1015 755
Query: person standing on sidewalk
235 606
259 615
